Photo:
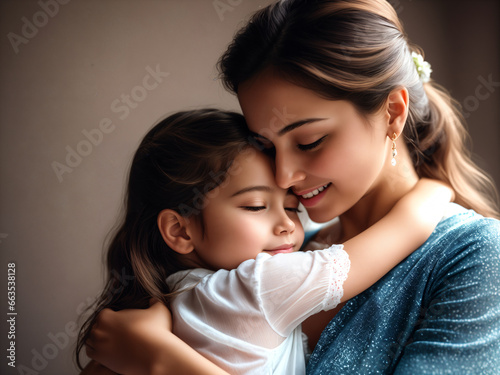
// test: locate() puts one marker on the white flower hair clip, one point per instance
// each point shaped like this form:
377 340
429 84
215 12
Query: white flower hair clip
423 67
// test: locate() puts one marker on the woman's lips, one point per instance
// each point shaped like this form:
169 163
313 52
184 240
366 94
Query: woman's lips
311 192
311 197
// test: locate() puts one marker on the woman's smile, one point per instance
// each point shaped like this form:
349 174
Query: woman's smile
310 197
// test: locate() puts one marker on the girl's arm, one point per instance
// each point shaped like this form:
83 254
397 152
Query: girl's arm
141 342
406 227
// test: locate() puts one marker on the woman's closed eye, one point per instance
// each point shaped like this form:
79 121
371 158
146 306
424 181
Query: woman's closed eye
311 146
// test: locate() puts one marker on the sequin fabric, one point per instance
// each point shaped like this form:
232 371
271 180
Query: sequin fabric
437 312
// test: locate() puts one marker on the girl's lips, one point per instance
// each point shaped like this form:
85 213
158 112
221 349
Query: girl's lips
288 248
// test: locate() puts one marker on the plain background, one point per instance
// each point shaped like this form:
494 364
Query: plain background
63 81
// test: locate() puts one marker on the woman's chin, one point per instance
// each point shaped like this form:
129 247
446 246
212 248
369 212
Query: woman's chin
321 215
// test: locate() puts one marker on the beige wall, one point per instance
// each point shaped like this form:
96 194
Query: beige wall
69 78
461 39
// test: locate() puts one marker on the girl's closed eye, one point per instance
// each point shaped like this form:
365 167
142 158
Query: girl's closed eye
291 203
265 145
312 145
254 208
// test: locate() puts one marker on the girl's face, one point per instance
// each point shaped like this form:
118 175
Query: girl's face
328 153
246 215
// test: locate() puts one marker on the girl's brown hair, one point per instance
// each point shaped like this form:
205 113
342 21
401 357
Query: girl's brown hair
357 50
179 160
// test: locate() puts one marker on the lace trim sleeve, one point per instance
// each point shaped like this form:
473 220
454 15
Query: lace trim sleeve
339 268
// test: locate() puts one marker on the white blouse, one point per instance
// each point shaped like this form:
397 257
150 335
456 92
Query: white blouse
247 320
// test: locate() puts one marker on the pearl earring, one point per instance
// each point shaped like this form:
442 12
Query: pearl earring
394 151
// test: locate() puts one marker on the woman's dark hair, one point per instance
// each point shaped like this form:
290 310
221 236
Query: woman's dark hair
357 50
179 160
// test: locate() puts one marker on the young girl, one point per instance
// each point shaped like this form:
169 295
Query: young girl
204 214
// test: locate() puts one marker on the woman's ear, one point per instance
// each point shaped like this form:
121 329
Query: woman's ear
397 109
174 230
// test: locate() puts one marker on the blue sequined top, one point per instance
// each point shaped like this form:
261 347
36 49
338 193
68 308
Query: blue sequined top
437 312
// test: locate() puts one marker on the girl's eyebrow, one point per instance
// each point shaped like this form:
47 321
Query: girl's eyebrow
264 188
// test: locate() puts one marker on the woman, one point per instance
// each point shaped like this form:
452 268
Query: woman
332 90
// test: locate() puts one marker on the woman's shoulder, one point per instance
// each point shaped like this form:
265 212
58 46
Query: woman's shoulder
464 223
464 234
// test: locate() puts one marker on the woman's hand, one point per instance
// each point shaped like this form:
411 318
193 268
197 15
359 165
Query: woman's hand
94 368
124 341
141 342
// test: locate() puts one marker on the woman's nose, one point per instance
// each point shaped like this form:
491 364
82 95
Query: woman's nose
288 172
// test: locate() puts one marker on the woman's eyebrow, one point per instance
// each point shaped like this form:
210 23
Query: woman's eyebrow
289 127
296 124
264 188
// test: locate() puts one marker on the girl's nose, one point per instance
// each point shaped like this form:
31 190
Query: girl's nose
284 225
288 172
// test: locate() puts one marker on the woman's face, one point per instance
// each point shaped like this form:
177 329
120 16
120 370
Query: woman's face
325 150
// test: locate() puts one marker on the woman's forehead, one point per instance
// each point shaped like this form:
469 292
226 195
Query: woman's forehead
275 110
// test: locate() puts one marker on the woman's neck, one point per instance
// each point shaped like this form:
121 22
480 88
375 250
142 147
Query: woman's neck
386 191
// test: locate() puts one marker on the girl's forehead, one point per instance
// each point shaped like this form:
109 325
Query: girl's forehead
251 159
251 167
